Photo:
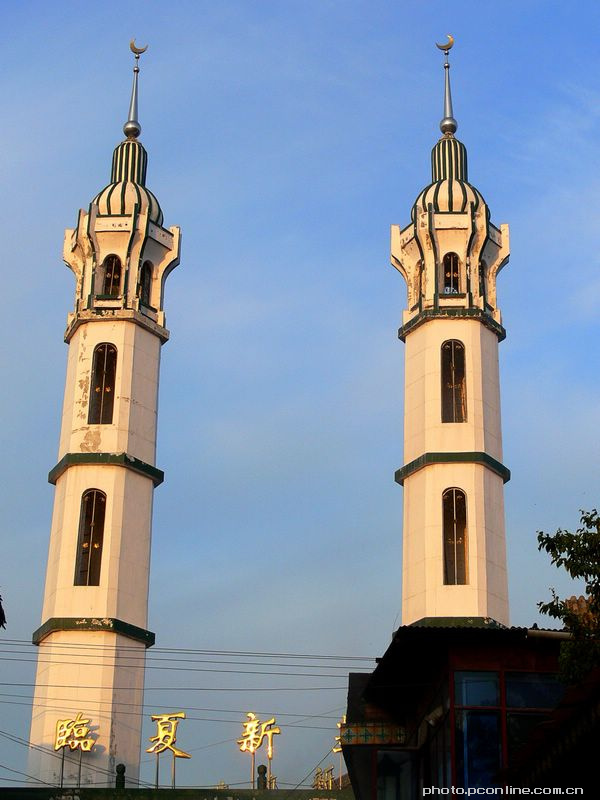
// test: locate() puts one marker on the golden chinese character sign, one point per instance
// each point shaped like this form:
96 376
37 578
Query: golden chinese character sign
253 735
74 734
166 729
323 778
255 732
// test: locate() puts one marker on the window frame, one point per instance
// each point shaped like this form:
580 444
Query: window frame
103 378
112 289
90 538
145 283
456 569
451 277
453 381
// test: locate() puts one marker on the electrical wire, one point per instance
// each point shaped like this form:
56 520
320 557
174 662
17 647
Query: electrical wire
189 708
179 669
189 688
257 653
46 751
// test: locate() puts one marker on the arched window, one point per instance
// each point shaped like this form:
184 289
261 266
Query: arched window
451 274
102 385
146 283
112 276
91 535
483 280
419 282
454 390
455 537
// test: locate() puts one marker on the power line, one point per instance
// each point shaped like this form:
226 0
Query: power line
191 688
298 716
46 751
302 715
179 669
241 653
107 712
31 777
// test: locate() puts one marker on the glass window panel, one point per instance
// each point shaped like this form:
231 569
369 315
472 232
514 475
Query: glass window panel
450 267
476 689
532 690
519 727
102 387
112 276
454 396
478 748
455 537
146 283
394 775
90 539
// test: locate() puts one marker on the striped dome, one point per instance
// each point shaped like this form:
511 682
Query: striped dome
450 189
127 187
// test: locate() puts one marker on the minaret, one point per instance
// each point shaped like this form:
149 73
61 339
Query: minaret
454 554
94 635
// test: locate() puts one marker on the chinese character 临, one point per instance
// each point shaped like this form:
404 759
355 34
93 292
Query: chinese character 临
73 733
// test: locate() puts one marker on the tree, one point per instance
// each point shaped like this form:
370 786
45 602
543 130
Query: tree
579 554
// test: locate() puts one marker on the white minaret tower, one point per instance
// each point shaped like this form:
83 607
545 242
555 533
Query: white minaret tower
454 555
93 636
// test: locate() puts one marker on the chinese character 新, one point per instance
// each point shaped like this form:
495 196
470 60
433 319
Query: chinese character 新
255 732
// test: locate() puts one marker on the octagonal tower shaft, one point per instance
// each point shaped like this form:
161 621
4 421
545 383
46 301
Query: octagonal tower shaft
93 636
454 559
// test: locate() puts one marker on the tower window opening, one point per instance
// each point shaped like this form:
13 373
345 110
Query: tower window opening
112 276
451 274
90 539
483 281
455 537
102 388
454 390
146 283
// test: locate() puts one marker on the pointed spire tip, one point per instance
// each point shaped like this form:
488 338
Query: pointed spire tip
132 127
448 125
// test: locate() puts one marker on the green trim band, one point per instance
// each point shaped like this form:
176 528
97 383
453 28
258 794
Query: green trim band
93 624
157 476
473 313
451 458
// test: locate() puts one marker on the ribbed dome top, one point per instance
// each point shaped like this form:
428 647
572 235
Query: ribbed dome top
450 189
449 160
127 185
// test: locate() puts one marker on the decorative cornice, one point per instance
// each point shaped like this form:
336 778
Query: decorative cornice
449 313
101 314
452 458
108 624
156 475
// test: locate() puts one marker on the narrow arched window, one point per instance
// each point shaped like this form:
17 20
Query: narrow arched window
454 390
483 280
146 283
102 385
455 536
112 276
451 274
90 539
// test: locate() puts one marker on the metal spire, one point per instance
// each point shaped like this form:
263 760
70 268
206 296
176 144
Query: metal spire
448 125
132 127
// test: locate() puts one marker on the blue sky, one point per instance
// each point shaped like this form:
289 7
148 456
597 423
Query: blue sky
284 138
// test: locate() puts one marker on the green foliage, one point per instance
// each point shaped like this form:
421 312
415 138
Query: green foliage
579 554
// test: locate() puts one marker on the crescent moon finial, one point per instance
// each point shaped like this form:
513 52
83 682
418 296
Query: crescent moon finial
448 45
137 51
132 127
